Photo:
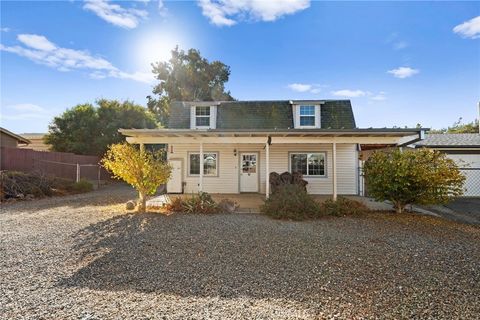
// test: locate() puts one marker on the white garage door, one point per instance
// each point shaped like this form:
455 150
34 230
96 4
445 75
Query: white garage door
470 167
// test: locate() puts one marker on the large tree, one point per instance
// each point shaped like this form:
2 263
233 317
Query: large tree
89 129
187 76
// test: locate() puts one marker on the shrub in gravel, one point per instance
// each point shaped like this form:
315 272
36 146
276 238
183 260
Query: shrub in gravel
81 186
201 203
343 207
291 201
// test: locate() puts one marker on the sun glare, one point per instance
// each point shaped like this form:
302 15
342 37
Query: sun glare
153 47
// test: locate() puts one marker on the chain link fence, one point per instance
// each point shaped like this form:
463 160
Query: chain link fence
472 182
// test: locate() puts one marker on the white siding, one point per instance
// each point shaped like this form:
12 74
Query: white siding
228 164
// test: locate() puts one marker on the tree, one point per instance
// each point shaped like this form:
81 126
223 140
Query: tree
187 76
413 177
86 129
459 127
143 170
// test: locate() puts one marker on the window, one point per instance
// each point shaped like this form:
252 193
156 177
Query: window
308 164
202 116
307 116
209 164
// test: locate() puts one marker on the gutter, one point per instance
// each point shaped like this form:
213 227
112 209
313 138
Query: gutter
421 136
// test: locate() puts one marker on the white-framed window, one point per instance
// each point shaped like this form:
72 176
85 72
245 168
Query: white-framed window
202 117
307 116
309 164
210 164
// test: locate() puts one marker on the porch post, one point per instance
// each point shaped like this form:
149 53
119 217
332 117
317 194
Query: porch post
200 184
267 170
334 167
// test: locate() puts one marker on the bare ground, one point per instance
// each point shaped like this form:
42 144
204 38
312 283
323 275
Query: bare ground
83 257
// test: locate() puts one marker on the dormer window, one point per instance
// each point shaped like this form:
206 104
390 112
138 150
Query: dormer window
202 117
307 116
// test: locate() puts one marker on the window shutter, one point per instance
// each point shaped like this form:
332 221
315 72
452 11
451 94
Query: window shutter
317 116
192 118
213 117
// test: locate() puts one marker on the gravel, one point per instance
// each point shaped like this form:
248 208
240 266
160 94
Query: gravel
84 257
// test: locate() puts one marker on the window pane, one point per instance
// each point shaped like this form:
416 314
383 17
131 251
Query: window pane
307 120
202 111
299 163
316 164
249 163
307 110
194 164
202 121
210 164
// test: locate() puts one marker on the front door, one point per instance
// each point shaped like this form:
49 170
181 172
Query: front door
174 185
248 172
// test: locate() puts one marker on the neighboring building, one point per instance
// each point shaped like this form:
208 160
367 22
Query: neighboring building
11 140
239 143
36 141
464 148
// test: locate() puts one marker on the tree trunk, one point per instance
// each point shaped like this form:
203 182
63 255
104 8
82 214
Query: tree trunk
399 207
142 202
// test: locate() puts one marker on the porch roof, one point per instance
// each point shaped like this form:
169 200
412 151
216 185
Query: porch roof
189 133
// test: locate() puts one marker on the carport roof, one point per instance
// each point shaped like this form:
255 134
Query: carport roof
450 140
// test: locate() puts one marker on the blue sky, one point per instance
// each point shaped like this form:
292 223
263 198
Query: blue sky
400 63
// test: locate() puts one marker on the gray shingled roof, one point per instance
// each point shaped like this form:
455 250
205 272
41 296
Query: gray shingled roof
335 114
450 140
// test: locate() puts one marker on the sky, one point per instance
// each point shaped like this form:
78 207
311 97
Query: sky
400 63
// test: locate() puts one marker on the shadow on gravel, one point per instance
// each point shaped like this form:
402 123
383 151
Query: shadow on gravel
254 256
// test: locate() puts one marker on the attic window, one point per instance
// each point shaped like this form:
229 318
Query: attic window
202 116
307 116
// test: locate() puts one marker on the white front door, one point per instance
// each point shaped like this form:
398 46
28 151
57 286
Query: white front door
174 185
248 172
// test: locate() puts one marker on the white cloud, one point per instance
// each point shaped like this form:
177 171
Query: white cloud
350 93
305 87
5 29
403 72
115 14
24 111
36 42
399 45
300 87
229 12
381 96
40 50
469 29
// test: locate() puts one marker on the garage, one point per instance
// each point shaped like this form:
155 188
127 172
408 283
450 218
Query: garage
464 149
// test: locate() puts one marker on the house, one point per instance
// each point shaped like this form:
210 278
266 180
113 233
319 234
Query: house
11 140
238 143
464 149
36 141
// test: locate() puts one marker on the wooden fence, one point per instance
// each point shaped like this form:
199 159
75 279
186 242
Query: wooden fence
58 164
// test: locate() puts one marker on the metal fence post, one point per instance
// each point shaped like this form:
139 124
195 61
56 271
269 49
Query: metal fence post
78 173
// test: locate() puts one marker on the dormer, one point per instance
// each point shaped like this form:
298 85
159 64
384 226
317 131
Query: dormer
203 116
306 114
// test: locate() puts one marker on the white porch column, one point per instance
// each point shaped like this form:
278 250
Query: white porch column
267 170
334 167
200 183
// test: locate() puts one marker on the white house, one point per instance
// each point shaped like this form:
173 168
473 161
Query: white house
238 143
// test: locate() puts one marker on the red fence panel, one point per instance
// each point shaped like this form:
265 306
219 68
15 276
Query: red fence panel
58 164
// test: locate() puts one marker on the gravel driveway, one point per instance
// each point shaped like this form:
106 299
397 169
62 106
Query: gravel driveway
83 257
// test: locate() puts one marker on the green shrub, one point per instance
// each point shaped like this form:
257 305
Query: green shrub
81 186
201 203
291 201
343 207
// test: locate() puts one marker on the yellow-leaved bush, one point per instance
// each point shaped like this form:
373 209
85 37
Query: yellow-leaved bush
413 177
144 170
